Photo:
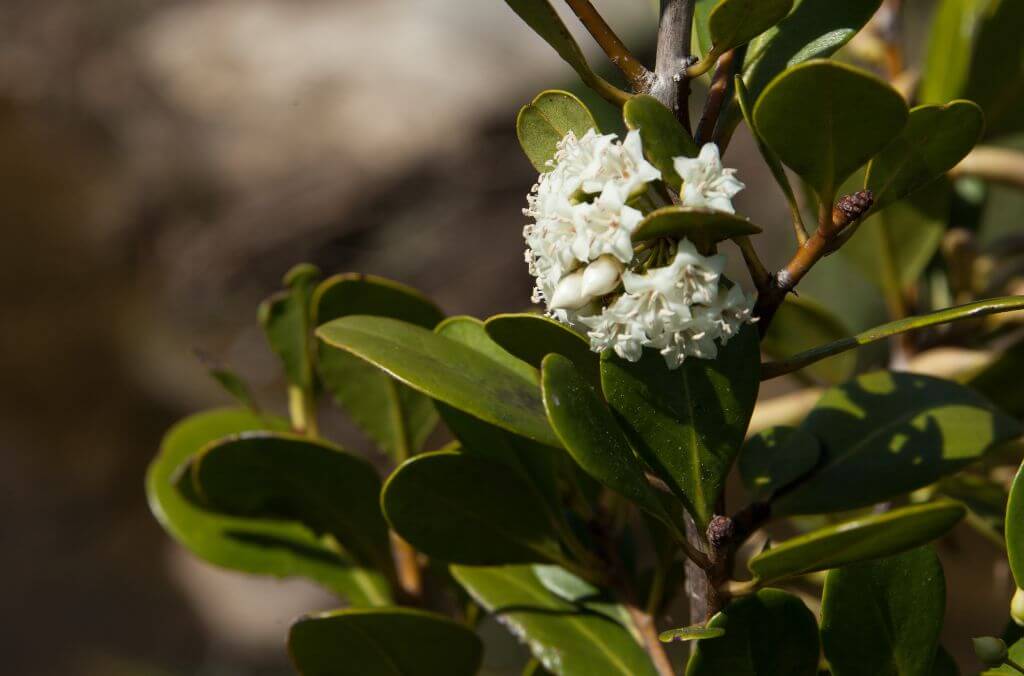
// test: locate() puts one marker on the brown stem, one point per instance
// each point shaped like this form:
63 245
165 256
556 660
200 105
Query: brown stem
716 98
639 77
670 85
408 569
824 241
649 633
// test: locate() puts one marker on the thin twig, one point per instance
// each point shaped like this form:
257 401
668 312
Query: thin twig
671 86
716 98
999 165
758 272
638 75
649 633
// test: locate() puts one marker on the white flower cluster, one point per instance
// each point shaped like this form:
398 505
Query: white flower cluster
579 247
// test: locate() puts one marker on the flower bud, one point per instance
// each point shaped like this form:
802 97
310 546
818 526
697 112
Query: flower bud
602 276
1017 607
569 294
990 650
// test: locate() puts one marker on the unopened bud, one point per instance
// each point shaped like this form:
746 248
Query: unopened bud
569 294
990 650
602 276
1017 607
851 207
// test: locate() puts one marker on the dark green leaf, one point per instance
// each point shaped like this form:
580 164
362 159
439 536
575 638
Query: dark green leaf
688 424
775 458
801 324
384 642
263 546
985 501
664 139
567 639
884 434
770 633
1015 528
532 337
861 539
696 632
884 616
286 319
396 417
825 120
589 432
1000 381
944 664
542 123
733 23
465 508
268 475
701 226
934 140
950 41
996 79
446 370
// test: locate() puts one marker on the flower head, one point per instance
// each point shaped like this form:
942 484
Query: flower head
706 183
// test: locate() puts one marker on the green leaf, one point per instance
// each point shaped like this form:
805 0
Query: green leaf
664 139
767 633
589 432
1000 381
262 546
801 324
688 424
985 501
285 318
950 40
544 20
703 227
1015 528
825 120
542 123
565 585
397 418
384 642
277 475
862 539
568 639
1016 653
447 370
996 79
884 434
884 616
695 632
234 384
532 337
733 23
934 140
464 508
775 458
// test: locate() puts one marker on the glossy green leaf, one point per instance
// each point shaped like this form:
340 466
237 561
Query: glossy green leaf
569 587
446 370
775 458
954 314
567 639
696 632
733 23
532 337
590 433
885 434
263 546
996 79
542 123
544 20
664 139
1015 528
950 41
884 616
825 120
861 539
276 475
688 424
802 323
464 508
286 320
397 418
933 141
701 226
769 633
384 642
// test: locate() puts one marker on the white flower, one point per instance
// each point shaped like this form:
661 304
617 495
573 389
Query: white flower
568 294
602 276
605 226
706 183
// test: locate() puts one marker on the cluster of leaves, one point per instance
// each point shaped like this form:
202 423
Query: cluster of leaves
578 487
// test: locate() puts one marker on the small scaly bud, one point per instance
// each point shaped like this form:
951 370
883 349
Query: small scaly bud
569 294
851 207
1017 607
990 650
602 276
721 531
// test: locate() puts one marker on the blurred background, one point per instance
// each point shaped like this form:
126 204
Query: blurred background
162 164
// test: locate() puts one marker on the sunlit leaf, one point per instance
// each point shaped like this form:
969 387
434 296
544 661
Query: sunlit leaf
543 122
